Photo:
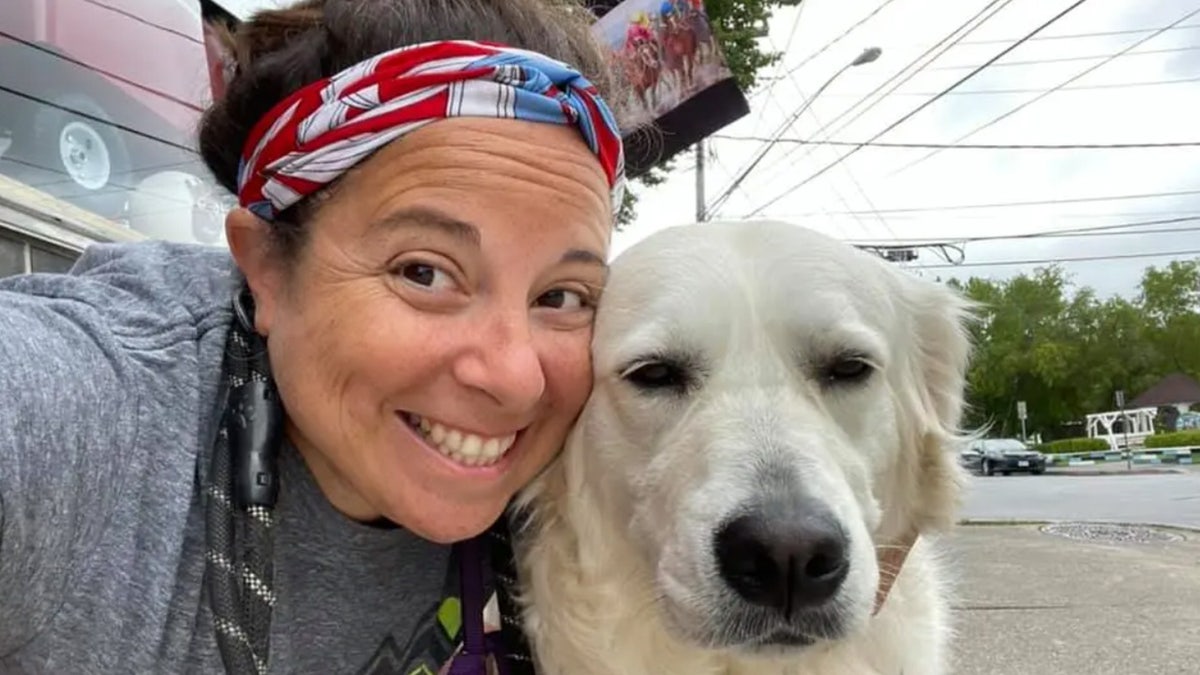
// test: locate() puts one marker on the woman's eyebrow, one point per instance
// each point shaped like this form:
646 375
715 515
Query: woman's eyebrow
424 217
430 219
582 255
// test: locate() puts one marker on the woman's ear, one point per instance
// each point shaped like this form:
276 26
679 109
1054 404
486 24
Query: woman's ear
249 240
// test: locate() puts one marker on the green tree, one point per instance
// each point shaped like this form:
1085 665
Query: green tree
1064 351
1170 299
1026 349
737 25
1119 353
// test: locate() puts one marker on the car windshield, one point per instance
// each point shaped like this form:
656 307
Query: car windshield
1005 445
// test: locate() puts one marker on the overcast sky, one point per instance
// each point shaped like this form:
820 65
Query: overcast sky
1118 102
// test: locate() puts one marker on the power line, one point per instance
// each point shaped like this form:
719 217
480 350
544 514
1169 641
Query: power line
1068 59
924 105
866 57
1074 36
1037 62
1098 231
832 42
976 146
956 221
791 72
1051 261
858 186
1046 93
960 41
1001 205
944 44
962 216
770 89
1068 235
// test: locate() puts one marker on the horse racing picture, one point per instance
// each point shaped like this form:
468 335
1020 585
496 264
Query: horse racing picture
666 49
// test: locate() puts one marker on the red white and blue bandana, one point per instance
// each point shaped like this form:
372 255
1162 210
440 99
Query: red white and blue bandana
318 133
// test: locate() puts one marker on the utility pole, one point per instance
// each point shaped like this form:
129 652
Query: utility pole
701 216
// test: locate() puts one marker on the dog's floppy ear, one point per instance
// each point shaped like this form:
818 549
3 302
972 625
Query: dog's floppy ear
931 480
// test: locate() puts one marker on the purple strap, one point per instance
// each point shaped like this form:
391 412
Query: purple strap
472 660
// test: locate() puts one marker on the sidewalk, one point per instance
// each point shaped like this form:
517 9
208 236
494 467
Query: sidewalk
1118 468
1031 603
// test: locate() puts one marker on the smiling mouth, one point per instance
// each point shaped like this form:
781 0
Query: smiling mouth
462 447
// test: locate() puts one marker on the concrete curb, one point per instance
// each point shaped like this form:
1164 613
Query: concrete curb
1062 471
1014 522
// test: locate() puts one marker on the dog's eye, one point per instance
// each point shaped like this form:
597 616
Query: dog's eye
848 369
655 375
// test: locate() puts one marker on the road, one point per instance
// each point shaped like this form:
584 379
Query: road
1164 499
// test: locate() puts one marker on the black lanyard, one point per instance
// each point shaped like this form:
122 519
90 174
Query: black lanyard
239 521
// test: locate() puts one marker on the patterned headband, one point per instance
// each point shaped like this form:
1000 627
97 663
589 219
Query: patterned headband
318 133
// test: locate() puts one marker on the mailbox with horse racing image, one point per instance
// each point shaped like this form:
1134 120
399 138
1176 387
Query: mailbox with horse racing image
679 84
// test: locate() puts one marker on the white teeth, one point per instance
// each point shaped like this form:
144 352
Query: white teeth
466 449
471 446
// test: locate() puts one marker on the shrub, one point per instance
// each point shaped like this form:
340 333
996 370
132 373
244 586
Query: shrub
1073 445
1174 439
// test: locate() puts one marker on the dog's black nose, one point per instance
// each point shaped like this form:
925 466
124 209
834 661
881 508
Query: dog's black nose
785 559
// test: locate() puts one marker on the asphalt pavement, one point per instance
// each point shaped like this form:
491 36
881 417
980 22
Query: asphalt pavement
1031 603
1162 498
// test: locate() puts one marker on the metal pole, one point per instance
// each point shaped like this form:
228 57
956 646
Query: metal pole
1128 450
1023 439
701 214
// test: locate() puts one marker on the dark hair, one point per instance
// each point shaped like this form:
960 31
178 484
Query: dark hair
277 52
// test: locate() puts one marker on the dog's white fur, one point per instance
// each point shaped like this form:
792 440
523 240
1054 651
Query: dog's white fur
617 558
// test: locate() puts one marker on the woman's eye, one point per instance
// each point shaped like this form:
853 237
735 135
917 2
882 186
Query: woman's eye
425 275
561 298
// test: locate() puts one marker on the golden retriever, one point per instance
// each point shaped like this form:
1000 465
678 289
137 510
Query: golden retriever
770 436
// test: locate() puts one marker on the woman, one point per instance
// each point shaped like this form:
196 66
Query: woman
258 460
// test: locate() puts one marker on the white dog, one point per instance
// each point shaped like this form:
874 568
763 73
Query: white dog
771 428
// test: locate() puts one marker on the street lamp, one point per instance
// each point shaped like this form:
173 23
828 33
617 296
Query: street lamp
868 55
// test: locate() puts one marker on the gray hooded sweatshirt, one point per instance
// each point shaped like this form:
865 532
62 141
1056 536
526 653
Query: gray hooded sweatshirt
108 386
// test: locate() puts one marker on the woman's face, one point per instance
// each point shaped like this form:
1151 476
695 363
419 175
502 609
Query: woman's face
431 343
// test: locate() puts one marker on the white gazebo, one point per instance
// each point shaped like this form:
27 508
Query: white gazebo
1138 424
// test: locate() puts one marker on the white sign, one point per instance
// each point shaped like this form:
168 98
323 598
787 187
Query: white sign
1022 413
1120 398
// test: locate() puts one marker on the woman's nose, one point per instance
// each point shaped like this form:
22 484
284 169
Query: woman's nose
504 364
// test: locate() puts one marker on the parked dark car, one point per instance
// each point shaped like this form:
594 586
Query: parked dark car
1005 455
